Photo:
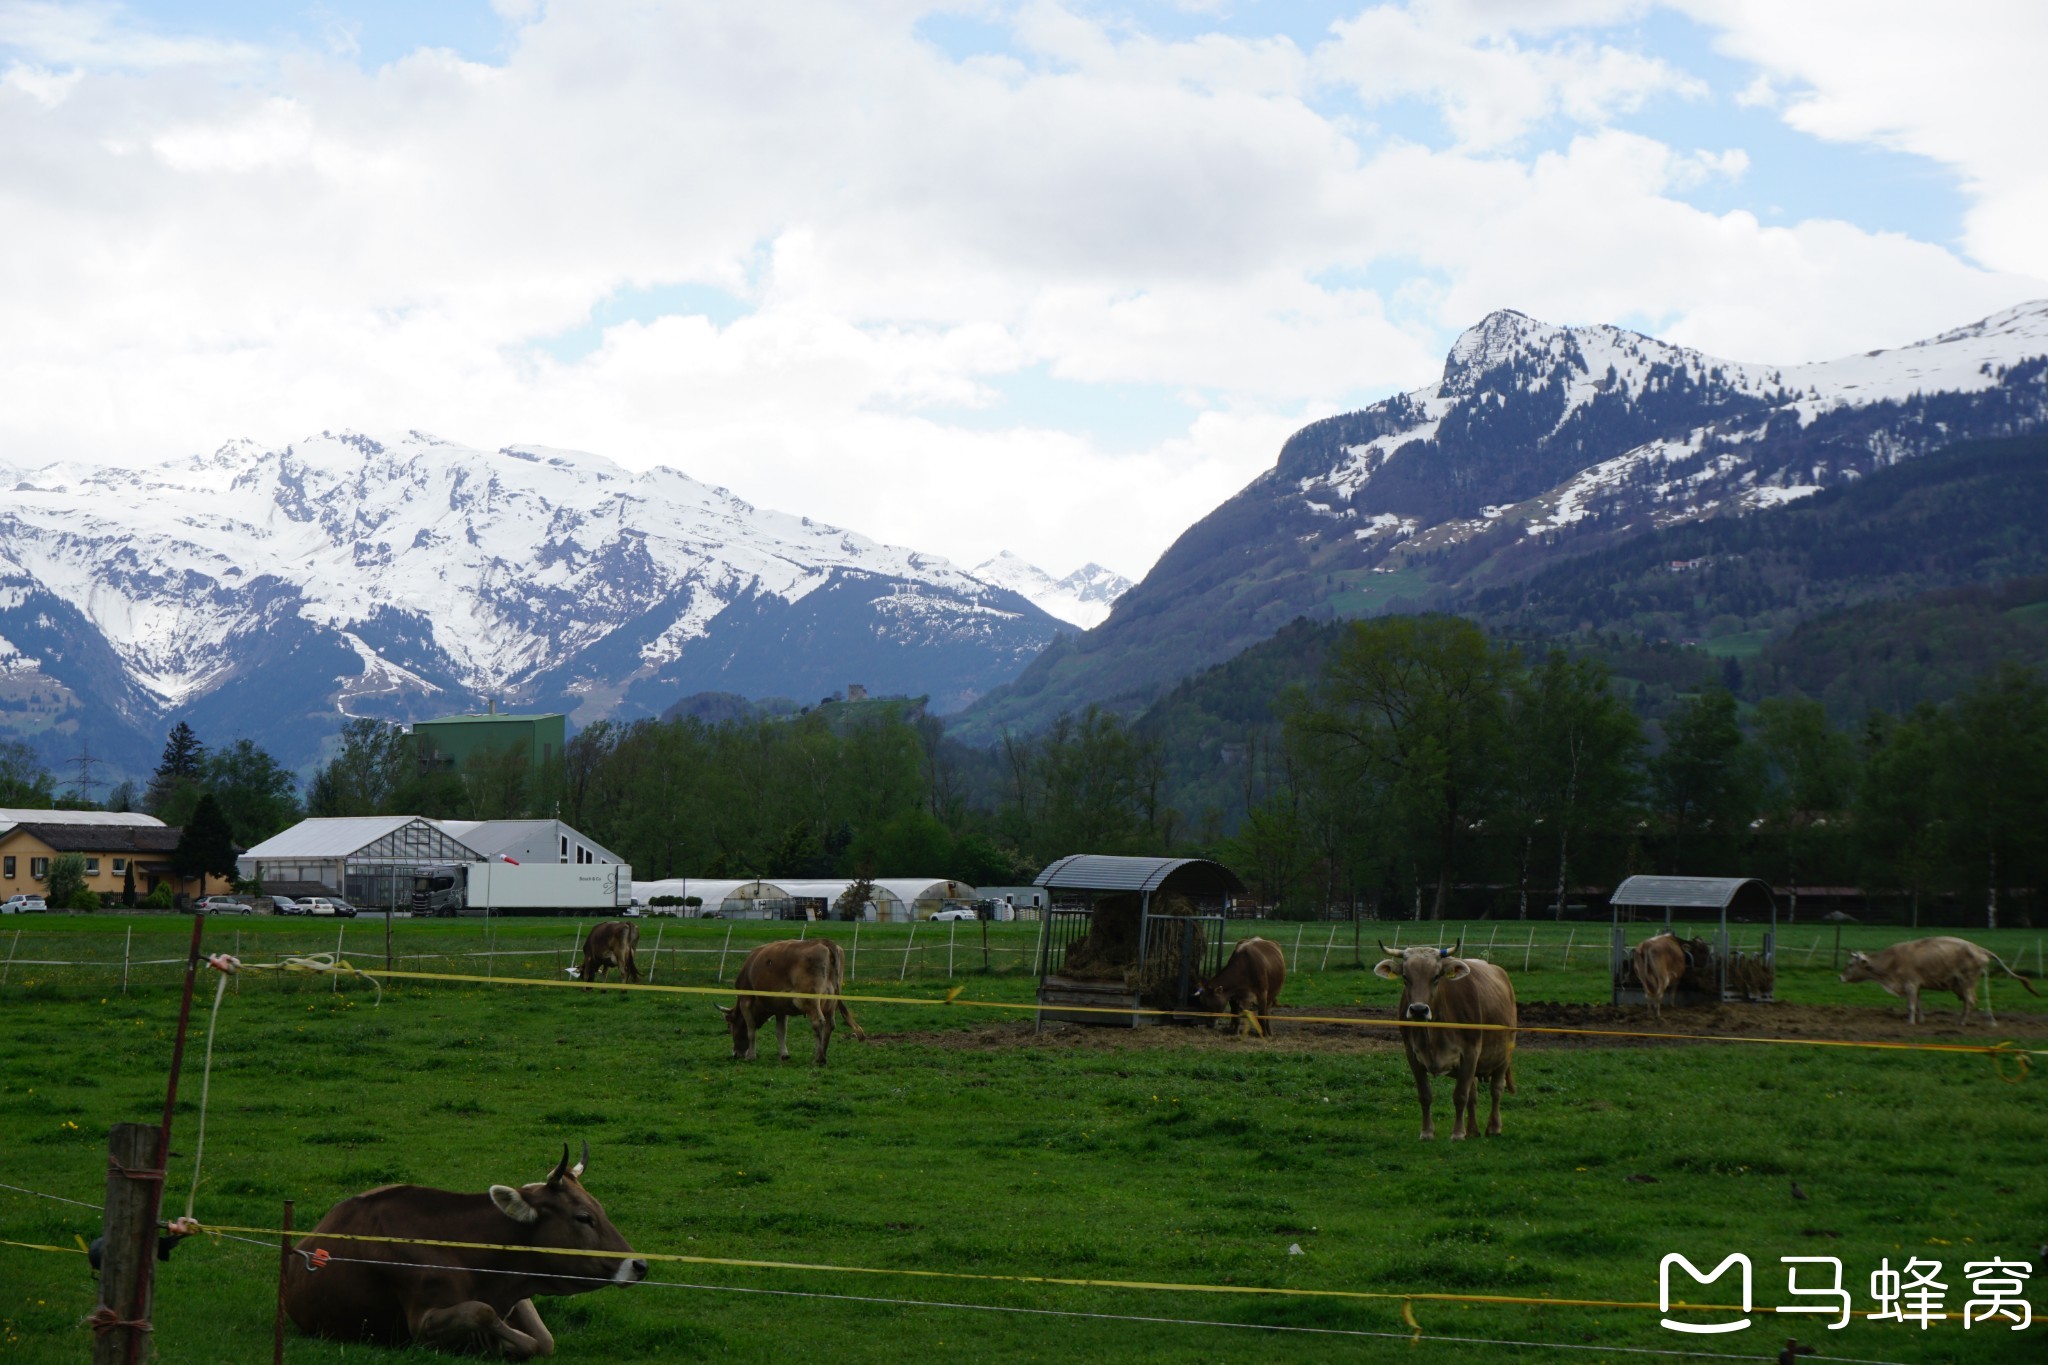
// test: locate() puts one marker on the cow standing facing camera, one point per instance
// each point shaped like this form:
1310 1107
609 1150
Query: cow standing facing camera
456 1298
1439 987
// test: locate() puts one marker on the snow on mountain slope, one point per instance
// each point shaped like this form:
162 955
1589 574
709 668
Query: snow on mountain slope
1522 404
1083 598
431 568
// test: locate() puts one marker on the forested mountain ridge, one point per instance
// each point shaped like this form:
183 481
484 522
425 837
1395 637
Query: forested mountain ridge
1539 444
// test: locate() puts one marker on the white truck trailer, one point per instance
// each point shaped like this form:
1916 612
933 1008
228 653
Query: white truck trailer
503 888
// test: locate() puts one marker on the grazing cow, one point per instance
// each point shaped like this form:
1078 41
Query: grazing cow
1933 964
456 1298
1248 985
611 944
1441 987
1660 961
810 967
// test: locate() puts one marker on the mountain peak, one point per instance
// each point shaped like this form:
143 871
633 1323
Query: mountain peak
1494 338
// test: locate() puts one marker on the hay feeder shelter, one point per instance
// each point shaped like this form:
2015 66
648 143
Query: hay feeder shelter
1727 972
1130 935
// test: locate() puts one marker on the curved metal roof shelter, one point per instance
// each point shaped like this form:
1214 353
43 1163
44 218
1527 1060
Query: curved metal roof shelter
1104 872
1685 893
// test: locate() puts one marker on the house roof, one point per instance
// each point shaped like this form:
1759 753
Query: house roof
76 838
19 815
1103 872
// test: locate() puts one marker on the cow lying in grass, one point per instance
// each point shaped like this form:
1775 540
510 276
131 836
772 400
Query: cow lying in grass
455 1298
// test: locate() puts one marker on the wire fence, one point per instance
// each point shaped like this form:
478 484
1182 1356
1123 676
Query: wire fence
712 951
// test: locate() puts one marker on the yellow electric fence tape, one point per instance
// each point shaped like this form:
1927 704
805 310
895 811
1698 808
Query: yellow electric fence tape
1165 1286
1993 1050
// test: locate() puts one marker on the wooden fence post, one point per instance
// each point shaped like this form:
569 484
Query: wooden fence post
284 1260
128 1255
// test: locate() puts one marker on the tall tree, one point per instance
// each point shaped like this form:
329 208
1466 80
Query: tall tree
257 795
1901 809
1810 771
1416 703
1706 785
24 781
176 774
1996 768
368 767
206 845
1574 751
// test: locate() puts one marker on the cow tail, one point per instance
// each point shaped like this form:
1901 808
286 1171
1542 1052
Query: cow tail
1511 1077
2013 974
839 1002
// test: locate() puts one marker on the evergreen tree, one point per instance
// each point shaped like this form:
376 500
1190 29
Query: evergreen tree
206 845
173 786
257 795
1706 785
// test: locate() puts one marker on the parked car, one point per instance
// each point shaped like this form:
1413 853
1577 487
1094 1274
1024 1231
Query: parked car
224 905
957 912
285 905
23 905
327 905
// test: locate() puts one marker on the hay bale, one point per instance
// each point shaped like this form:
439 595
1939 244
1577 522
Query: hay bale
1750 974
1110 951
1700 966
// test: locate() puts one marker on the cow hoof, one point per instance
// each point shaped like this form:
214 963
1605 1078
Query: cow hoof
1428 1137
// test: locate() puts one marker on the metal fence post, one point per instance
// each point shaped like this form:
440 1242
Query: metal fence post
654 962
721 952
284 1260
128 944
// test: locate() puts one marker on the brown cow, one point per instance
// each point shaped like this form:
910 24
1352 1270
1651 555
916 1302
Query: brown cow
1441 987
1248 985
811 968
454 1298
1938 964
610 944
1660 961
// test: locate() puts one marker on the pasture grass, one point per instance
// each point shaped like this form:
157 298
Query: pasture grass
955 1140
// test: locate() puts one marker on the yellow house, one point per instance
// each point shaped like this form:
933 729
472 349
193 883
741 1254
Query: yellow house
111 851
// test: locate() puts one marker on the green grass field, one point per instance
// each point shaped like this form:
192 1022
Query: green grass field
955 1140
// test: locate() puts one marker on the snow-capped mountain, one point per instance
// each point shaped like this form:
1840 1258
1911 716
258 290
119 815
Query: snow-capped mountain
1538 442
270 592
1083 598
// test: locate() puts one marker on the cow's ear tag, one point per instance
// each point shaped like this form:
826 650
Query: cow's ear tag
1457 970
1385 967
513 1204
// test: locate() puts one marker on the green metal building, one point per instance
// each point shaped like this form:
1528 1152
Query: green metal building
451 742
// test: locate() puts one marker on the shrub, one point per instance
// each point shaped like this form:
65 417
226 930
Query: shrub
163 898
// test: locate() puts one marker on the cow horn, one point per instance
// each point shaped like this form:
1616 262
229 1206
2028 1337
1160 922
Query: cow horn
1391 952
555 1177
1458 948
577 1169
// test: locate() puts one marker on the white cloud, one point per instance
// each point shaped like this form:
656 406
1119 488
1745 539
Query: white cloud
1961 87
210 241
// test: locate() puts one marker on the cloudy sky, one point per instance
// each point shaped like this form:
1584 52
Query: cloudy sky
1057 277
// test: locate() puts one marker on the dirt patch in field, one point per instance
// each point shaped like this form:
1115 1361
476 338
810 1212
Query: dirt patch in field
1845 1022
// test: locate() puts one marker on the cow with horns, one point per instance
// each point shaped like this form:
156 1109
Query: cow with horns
1440 987
550 1237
